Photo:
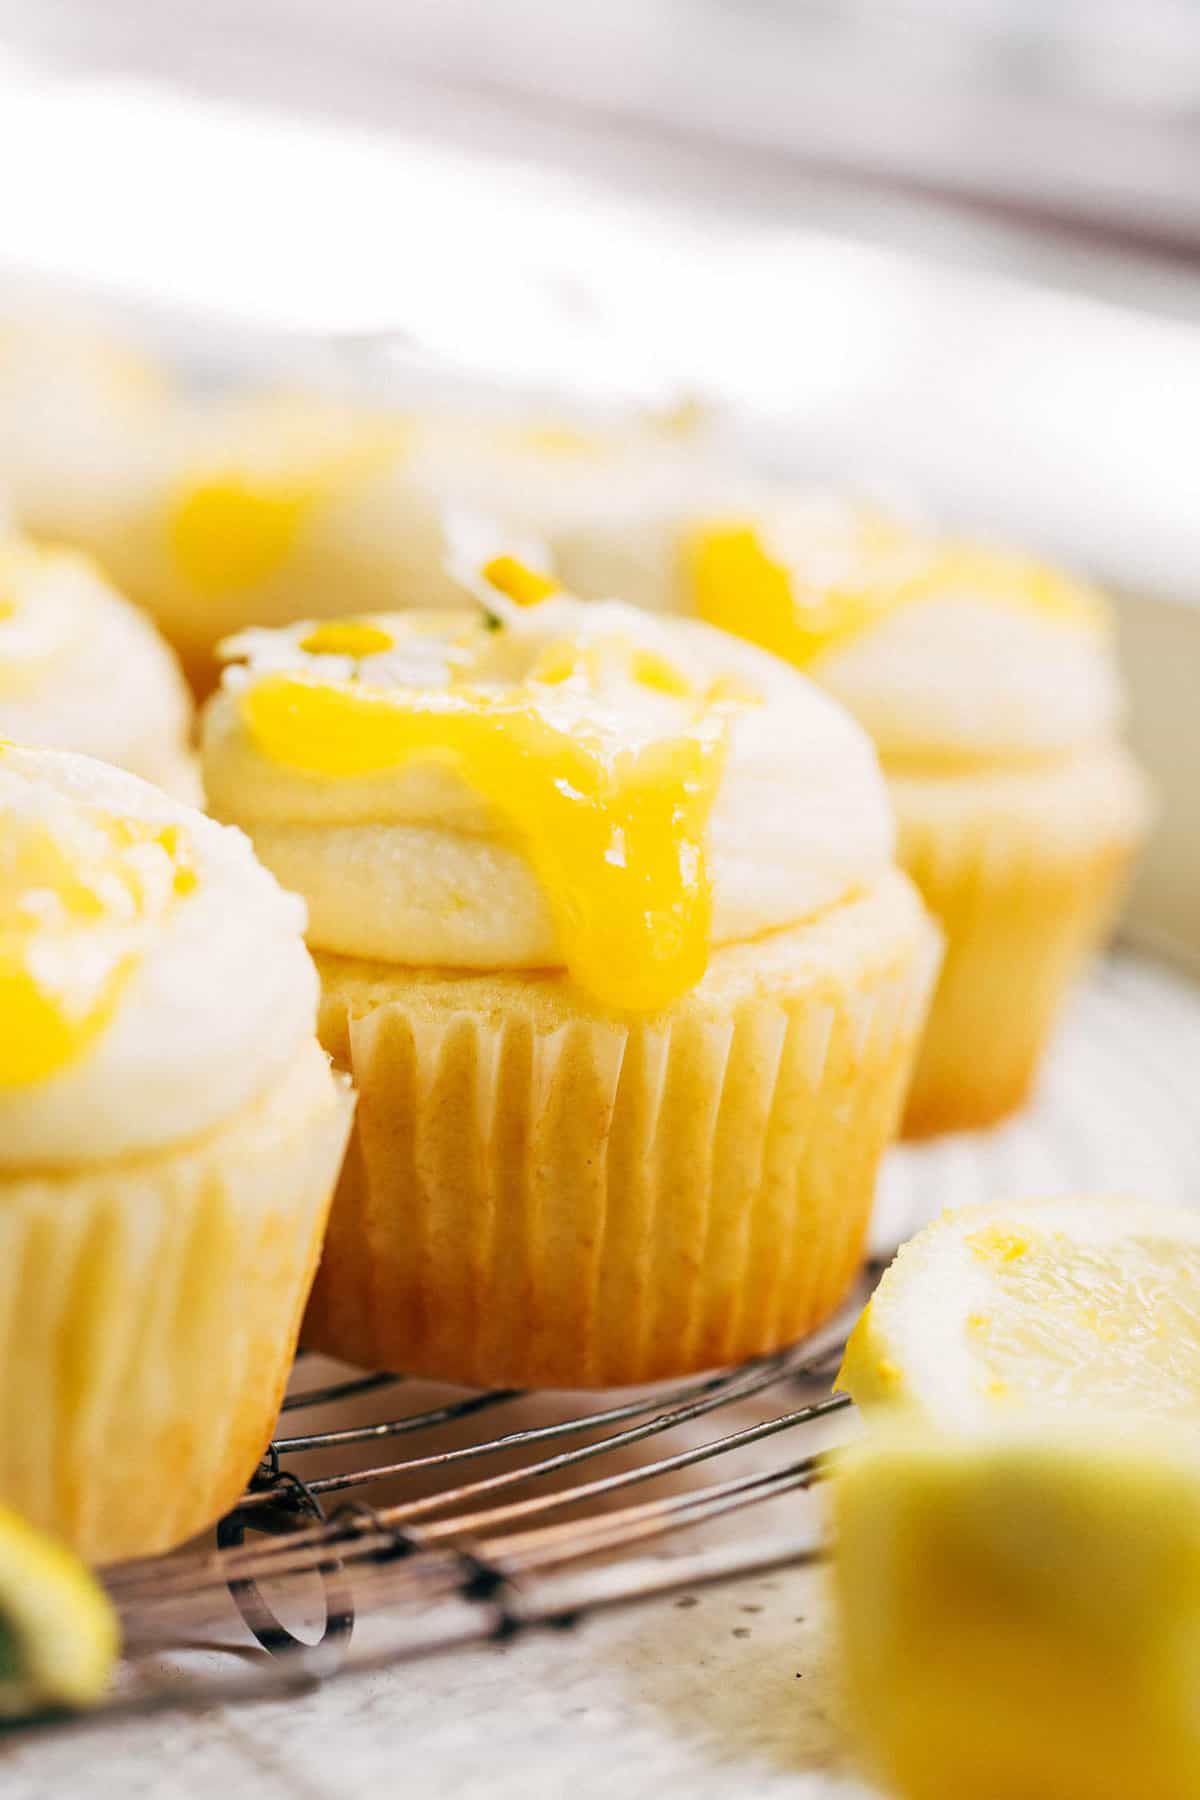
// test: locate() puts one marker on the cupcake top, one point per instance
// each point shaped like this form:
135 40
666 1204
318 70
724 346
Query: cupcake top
152 975
249 480
543 784
82 669
604 496
255 482
940 647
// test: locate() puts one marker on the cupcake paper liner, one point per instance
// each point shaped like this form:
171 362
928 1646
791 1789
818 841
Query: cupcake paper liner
149 1310
1025 875
538 1193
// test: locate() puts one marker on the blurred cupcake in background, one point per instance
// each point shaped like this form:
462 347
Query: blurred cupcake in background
252 508
82 669
170 1133
607 497
989 683
81 414
612 942
257 510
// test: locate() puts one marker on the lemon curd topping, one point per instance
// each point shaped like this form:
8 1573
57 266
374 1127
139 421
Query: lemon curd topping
347 637
608 801
523 585
829 592
79 891
232 526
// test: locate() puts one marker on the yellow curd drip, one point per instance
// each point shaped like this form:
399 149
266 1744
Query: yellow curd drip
233 527
77 894
613 829
736 583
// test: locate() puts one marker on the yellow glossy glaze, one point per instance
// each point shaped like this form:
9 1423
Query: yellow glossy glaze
738 584
347 637
614 829
522 584
76 894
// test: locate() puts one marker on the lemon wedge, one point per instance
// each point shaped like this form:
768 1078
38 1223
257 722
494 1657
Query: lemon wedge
58 1631
1051 1305
1019 1614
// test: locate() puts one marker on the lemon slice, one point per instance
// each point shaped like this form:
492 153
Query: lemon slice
58 1631
1019 1615
1052 1304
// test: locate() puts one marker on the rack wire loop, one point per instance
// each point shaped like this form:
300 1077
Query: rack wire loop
292 1501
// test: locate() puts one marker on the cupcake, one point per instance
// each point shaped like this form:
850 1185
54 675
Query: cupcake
82 669
260 509
257 510
170 1132
990 686
603 498
611 940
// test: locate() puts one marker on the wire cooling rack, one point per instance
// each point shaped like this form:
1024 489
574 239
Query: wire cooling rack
533 1524
392 1521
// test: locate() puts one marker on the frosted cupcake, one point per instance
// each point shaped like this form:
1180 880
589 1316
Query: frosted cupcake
249 509
611 940
990 686
82 669
258 510
606 499
170 1132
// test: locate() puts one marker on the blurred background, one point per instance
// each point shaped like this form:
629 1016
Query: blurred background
950 248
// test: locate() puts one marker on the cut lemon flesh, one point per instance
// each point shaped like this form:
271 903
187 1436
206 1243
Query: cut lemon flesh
1019 1616
1033 1306
58 1631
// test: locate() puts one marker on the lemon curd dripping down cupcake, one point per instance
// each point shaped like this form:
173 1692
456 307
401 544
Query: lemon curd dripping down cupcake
170 1133
611 940
82 669
990 686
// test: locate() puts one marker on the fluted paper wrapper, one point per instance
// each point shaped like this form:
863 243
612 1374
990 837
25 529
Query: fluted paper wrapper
149 1311
536 1193
1025 880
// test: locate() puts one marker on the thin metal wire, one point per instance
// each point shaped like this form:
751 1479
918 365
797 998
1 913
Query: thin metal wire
684 1405
555 1604
478 1558
423 1421
340 1390
298 1552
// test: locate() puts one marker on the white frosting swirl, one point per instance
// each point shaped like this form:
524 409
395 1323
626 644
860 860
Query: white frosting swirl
81 669
610 503
218 999
411 865
962 676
